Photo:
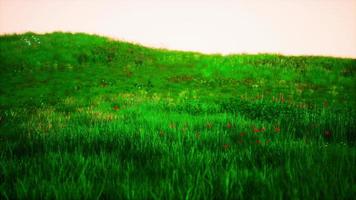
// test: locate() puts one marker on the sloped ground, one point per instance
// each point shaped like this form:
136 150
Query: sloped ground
85 117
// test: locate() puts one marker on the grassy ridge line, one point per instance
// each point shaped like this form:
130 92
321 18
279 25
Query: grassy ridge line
84 117
68 48
63 52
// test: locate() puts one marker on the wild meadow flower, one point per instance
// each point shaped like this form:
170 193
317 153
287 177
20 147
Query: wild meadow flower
277 129
326 104
282 99
327 134
228 125
226 146
258 141
116 107
256 130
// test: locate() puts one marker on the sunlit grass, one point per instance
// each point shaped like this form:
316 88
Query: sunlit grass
86 117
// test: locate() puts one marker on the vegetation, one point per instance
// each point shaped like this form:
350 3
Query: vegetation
86 117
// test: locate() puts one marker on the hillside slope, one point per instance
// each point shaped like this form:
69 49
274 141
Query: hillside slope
84 116
128 66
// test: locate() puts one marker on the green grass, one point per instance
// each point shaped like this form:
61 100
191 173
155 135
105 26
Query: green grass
86 117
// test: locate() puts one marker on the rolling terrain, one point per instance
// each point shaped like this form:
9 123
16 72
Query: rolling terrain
87 117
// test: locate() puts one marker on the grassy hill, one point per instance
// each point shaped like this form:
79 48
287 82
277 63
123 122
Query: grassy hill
85 117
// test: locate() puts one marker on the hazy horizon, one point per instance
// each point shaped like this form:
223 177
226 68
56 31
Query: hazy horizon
304 27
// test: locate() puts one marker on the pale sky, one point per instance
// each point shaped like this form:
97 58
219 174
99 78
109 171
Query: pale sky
293 27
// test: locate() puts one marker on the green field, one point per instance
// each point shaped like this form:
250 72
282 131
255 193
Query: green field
87 117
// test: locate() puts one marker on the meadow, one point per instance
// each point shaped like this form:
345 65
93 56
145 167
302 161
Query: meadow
87 117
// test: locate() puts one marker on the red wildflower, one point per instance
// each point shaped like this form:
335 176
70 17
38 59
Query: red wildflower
116 107
226 146
277 129
255 130
228 125
327 134
282 99
325 104
258 141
